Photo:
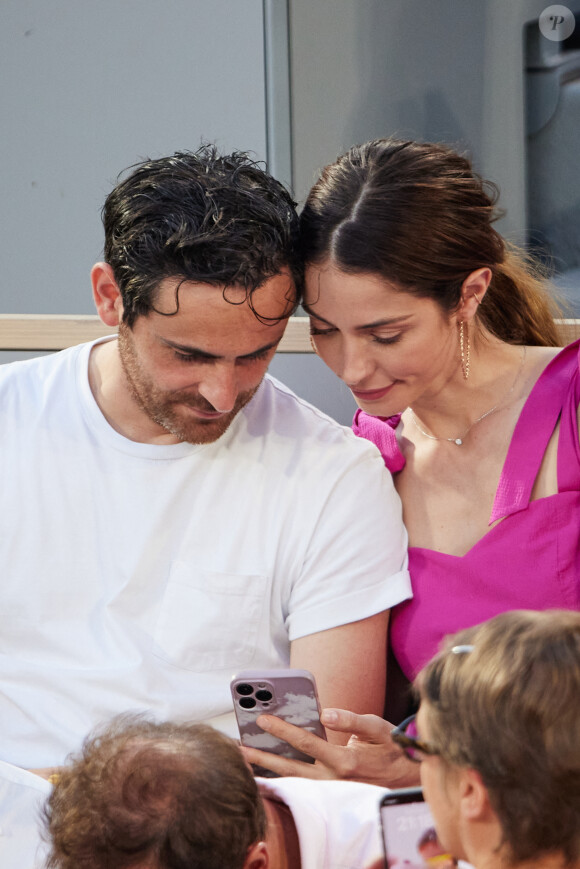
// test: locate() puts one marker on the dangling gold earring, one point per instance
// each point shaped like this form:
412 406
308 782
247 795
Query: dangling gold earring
312 344
464 348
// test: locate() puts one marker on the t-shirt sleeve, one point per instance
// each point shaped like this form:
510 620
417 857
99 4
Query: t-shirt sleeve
356 559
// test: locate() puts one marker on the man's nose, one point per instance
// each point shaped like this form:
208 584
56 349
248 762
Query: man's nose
220 386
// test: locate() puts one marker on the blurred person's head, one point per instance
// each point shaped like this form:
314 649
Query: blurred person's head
156 796
500 717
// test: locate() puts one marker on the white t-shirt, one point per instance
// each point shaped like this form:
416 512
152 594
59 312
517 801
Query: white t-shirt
139 576
22 796
338 822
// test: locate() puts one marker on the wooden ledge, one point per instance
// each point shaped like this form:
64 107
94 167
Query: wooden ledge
570 330
57 331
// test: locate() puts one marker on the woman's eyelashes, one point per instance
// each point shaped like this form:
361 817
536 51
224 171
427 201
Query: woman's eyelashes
378 339
391 339
315 331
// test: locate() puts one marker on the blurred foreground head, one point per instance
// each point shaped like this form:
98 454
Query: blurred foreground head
154 796
503 700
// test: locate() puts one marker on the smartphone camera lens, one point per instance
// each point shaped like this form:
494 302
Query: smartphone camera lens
263 696
244 689
247 702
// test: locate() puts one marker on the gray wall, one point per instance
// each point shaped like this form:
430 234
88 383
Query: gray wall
441 70
444 70
89 88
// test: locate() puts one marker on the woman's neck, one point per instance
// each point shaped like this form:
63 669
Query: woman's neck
498 378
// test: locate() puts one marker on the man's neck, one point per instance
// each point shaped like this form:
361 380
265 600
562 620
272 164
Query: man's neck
281 835
111 392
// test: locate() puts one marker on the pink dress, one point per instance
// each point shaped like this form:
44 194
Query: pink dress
530 560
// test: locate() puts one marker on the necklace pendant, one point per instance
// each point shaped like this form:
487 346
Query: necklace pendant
458 441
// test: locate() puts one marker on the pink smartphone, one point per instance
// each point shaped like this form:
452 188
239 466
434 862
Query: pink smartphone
288 694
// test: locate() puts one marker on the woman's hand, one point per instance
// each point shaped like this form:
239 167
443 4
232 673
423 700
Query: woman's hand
368 756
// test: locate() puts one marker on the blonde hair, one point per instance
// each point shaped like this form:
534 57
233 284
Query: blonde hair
510 709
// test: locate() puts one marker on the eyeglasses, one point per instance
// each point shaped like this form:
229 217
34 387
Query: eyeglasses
405 736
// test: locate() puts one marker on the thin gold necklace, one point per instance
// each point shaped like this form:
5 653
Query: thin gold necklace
459 440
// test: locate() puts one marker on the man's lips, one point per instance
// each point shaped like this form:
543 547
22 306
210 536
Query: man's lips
372 394
200 413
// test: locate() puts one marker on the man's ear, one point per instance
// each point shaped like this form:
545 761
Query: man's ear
258 857
106 294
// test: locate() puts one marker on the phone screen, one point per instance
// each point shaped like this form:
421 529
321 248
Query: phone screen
409 836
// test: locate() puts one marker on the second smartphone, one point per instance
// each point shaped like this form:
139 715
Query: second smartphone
409 836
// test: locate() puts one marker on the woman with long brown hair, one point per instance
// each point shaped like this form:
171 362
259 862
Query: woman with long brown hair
447 339
445 335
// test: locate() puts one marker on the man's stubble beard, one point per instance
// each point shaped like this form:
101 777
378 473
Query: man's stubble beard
161 406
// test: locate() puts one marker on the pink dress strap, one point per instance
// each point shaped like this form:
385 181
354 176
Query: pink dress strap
569 441
533 430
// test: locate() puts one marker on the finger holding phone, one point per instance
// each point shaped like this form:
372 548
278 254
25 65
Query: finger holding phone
368 756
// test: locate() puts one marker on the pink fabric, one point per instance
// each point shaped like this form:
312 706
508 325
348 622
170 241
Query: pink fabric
531 560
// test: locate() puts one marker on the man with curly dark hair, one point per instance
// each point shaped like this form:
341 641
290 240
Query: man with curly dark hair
169 512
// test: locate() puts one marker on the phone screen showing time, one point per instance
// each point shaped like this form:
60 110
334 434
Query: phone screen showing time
409 837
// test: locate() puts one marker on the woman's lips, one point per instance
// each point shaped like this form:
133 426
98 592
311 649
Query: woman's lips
372 394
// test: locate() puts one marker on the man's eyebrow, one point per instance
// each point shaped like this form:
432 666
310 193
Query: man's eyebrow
388 321
203 354
261 350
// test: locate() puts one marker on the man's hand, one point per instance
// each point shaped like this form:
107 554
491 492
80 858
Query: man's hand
368 756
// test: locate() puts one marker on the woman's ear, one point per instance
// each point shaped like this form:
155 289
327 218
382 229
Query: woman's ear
106 294
473 289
